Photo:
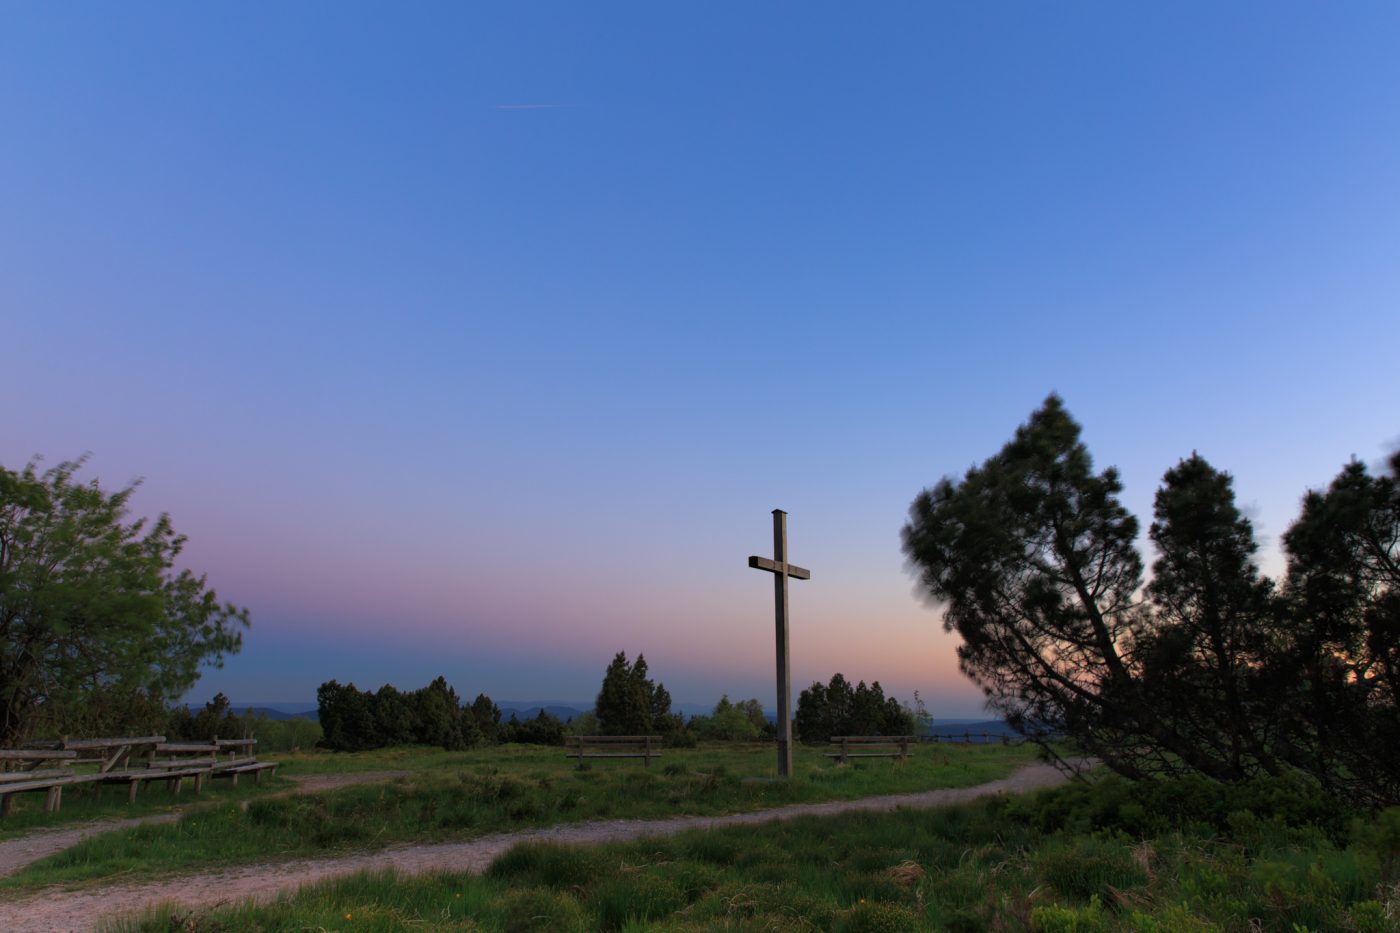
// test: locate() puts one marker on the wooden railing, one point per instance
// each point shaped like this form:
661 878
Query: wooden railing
974 738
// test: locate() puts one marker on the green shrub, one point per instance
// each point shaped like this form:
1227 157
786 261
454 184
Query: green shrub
539 909
1370 917
1153 807
880 917
1052 918
1379 835
546 864
1175 918
1086 867
633 895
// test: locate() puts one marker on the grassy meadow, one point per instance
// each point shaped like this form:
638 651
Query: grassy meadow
81 805
457 795
1165 858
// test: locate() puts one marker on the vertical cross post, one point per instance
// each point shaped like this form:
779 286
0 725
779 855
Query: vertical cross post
781 570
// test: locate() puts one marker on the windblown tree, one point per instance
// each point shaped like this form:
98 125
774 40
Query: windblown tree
1343 632
1207 655
94 616
1207 668
1034 557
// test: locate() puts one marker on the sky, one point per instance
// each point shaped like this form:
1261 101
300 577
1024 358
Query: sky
481 339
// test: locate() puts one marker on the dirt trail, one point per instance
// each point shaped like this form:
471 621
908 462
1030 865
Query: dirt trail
54 911
41 843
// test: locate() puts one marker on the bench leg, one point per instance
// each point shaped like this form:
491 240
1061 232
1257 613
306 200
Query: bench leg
178 783
53 800
198 783
131 791
233 779
257 778
7 805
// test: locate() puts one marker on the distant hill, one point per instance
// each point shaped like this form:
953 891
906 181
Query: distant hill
992 726
562 713
275 714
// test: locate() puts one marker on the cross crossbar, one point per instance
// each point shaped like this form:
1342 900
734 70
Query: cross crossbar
779 566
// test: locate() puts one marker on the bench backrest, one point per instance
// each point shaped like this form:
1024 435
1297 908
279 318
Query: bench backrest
610 740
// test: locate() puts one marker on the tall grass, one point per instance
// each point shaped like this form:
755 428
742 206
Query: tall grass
81 805
500 789
991 866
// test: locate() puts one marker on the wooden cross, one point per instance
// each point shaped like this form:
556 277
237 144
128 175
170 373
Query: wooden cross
781 570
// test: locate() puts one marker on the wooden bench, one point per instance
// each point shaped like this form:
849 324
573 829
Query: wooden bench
112 753
237 750
871 746
132 761
588 747
52 787
22 770
256 768
174 778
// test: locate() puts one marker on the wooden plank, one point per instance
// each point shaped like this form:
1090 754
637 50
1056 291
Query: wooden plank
10 777
189 747
118 757
80 744
183 763
147 774
26 754
231 743
22 786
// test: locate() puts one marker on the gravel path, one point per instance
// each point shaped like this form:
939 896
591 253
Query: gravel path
54 911
41 843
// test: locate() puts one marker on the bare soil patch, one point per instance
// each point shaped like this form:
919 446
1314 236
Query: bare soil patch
56 910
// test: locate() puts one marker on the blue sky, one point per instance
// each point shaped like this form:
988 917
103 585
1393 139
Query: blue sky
480 340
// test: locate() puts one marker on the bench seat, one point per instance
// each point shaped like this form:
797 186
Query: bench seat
584 748
255 768
53 788
871 746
